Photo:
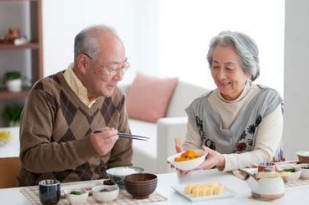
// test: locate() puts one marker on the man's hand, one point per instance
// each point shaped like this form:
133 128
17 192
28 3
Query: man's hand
104 139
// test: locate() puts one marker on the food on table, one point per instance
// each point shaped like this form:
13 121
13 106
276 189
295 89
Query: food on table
108 182
75 193
204 189
188 155
289 170
123 171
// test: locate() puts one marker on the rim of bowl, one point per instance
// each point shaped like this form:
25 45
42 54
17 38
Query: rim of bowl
139 169
82 190
303 153
128 177
111 188
290 166
171 158
301 165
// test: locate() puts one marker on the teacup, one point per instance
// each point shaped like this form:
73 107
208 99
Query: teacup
49 191
267 167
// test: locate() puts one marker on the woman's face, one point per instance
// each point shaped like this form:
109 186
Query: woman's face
227 72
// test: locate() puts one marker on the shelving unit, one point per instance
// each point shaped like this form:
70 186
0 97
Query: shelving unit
32 52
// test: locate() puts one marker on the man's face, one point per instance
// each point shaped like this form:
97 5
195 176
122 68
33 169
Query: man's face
101 76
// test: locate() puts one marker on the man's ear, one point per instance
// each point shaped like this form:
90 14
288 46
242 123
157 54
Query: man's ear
82 62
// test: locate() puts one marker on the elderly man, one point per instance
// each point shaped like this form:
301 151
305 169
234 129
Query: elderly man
63 110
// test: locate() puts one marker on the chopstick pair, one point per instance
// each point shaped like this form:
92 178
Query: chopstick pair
128 136
136 137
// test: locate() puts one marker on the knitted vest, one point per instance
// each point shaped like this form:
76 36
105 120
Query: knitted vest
241 136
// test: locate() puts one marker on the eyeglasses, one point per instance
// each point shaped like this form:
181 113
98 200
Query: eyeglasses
112 69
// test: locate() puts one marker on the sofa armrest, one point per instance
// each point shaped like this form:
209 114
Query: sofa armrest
167 130
124 87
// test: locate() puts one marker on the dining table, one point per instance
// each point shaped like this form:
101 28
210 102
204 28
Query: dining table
168 181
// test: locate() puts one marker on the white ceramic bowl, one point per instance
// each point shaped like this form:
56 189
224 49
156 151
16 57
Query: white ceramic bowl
117 174
103 193
190 164
76 199
304 170
293 175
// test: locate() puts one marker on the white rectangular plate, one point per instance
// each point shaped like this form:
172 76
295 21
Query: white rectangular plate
227 193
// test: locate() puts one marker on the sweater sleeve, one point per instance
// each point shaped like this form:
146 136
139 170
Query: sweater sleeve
121 154
267 141
39 153
192 140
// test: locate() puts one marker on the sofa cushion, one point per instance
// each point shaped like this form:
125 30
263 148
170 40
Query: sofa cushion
144 152
148 97
183 96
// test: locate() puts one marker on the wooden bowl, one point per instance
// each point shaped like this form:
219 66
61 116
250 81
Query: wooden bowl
140 185
117 174
303 156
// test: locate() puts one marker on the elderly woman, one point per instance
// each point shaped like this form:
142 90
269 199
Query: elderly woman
239 123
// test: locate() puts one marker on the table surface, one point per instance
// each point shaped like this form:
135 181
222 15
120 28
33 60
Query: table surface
296 194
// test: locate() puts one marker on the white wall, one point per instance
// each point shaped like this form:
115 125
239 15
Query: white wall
62 20
296 88
187 26
172 40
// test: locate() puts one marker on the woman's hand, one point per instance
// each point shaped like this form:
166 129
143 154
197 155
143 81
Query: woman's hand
178 150
213 159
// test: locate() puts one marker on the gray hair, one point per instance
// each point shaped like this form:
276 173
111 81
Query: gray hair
86 41
245 47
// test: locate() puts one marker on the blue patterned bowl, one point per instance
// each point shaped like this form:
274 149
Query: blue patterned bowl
117 174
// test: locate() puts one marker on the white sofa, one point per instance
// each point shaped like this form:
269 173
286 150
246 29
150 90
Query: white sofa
152 154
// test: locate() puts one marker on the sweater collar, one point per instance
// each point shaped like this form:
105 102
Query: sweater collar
242 95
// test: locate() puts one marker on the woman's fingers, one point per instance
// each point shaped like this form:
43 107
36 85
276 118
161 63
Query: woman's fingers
178 148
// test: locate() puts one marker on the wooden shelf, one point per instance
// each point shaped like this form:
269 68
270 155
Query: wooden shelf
6 95
33 28
17 0
23 46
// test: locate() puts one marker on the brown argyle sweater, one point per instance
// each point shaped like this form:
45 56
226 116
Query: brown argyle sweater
55 130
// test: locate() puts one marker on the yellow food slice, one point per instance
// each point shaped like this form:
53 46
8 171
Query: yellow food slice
188 188
204 189
218 190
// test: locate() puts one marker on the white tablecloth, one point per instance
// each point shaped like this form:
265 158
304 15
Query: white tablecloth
293 195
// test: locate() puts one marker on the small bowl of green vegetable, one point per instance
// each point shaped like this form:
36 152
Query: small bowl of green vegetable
76 196
294 172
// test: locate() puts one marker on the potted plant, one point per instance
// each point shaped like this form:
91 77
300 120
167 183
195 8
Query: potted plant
12 80
11 115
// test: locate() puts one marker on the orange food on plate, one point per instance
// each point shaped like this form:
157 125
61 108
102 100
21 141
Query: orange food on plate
188 155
